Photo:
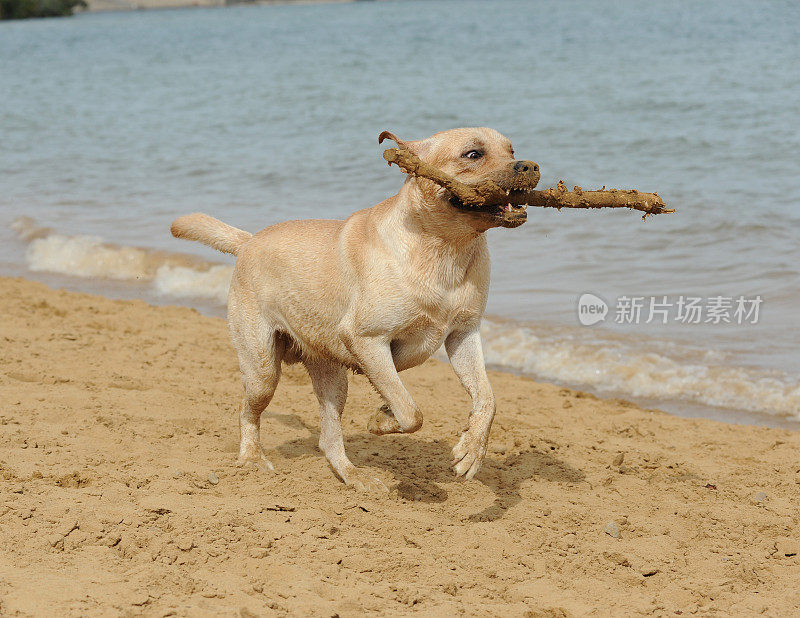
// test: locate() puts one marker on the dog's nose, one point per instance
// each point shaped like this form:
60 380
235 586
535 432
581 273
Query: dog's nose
525 166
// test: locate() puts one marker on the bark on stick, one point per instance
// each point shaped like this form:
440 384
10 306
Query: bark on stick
488 193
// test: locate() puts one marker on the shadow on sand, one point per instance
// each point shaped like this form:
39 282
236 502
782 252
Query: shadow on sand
421 466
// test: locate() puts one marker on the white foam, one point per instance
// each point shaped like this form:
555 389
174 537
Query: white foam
182 282
86 256
613 365
169 274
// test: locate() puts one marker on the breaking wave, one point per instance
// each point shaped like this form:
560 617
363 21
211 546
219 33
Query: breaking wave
168 274
184 282
662 370
646 368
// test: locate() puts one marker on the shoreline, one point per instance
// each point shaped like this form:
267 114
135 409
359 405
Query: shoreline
138 289
105 6
117 446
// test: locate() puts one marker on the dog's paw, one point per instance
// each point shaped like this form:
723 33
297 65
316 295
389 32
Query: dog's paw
362 481
383 422
253 455
468 454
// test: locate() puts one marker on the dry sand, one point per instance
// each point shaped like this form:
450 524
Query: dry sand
119 493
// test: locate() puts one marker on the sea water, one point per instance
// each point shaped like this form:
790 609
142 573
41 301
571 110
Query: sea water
113 124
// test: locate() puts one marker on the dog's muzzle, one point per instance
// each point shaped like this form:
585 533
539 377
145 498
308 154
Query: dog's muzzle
517 180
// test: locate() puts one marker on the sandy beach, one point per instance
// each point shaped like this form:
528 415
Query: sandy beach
119 493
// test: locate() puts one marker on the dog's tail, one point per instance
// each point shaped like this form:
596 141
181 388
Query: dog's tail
211 232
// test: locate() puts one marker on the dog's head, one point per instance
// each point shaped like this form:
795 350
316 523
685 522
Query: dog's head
473 155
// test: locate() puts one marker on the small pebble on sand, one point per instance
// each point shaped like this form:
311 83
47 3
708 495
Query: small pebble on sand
612 529
787 547
619 459
140 598
213 478
617 558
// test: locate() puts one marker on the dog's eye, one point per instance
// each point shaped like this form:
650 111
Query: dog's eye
473 154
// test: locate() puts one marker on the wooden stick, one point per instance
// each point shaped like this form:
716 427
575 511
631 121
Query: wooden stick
489 193
484 194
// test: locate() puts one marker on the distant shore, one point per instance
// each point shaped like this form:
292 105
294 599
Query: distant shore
135 5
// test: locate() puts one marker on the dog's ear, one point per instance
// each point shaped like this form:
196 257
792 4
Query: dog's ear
418 147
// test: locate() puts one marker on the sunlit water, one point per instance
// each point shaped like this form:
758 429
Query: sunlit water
113 124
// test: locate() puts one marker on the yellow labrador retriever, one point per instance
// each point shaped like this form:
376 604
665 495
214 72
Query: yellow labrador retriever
376 293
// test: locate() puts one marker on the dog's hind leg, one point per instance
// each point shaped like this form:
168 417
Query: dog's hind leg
260 352
330 386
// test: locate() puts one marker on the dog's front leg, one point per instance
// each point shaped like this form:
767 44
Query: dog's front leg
401 414
466 357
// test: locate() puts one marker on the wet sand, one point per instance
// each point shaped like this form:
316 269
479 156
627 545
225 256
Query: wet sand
119 493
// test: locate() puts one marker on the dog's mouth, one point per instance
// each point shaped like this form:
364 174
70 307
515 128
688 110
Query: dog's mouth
510 213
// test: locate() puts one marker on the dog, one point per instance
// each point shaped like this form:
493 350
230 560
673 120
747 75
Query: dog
376 293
